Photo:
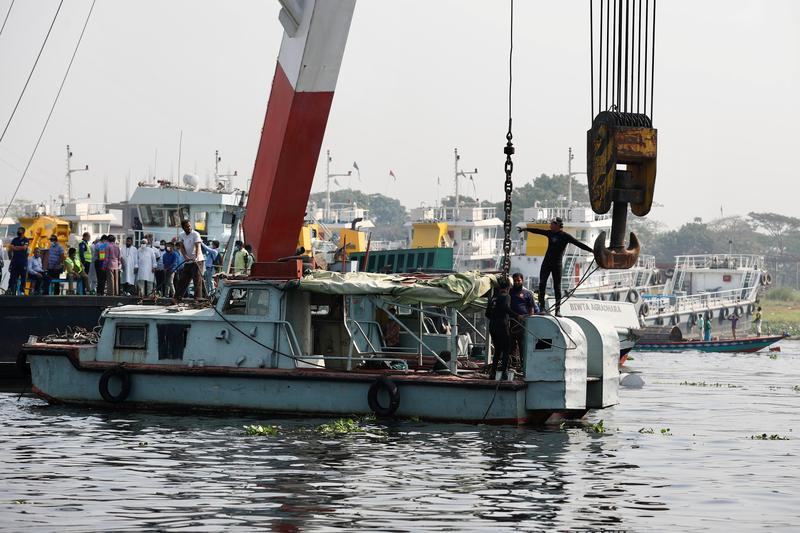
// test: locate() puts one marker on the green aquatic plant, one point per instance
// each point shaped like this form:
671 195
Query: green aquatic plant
796 388
665 432
764 436
773 356
598 427
648 431
261 431
341 426
142 444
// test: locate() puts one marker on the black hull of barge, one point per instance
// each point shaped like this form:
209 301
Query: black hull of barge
23 316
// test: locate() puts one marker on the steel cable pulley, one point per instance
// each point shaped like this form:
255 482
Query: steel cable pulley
508 150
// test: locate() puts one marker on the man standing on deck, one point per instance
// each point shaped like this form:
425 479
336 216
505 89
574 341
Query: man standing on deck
55 266
498 311
85 256
557 241
18 268
100 264
190 246
757 321
211 254
130 265
523 304
734 318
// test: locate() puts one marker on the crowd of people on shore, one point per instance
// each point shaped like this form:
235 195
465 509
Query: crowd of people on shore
105 267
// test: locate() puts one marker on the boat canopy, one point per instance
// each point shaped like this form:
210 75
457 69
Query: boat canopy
453 290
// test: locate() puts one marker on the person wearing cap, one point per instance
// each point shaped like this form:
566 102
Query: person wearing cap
557 241
55 265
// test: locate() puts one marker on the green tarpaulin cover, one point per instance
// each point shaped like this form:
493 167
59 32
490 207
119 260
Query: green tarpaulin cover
453 290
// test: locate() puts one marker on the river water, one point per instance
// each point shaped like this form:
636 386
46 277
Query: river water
69 469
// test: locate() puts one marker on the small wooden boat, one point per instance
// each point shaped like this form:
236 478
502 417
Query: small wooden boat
747 344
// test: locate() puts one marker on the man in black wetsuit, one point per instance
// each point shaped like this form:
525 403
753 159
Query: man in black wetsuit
557 241
498 312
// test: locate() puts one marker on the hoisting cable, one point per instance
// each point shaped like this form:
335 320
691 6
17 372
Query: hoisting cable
6 17
30 74
508 186
52 108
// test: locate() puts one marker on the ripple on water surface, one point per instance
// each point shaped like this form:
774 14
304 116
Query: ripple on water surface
676 454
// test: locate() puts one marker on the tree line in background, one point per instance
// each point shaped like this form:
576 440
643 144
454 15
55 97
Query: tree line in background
773 235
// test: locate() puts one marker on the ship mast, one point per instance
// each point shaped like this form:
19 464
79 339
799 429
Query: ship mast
224 179
460 173
70 170
328 176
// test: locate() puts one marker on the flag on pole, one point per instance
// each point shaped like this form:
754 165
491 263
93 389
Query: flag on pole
391 173
335 182
358 170
438 180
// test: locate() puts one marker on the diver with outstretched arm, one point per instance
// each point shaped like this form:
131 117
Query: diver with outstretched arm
557 241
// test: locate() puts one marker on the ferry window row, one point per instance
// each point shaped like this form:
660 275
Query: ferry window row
168 216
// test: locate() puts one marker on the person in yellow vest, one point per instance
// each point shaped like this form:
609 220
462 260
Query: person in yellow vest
75 271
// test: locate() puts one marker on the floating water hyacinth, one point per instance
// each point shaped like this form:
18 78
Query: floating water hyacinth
262 431
764 436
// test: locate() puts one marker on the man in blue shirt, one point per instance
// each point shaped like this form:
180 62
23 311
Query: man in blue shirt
18 268
35 272
211 259
55 265
523 303
170 259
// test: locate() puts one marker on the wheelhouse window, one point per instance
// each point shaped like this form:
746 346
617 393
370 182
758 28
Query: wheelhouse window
131 337
250 302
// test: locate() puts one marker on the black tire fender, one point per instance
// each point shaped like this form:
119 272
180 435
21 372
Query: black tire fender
124 376
644 309
633 296
675 319
669 273
390 387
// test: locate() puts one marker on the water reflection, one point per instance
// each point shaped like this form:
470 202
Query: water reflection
84 470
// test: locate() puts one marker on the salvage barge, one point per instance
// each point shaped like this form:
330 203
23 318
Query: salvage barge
314 346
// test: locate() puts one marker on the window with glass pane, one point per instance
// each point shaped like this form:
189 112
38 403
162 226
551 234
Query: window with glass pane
131 337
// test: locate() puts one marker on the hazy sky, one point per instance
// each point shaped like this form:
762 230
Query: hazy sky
418 79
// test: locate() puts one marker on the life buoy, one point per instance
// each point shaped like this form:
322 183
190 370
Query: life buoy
724 312
763 278
644 309
124 377
768 278
632 296
390 387
669 273
740 311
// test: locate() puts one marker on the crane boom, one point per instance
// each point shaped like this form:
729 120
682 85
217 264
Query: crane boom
315 35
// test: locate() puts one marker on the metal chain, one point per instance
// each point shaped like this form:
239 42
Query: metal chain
508 187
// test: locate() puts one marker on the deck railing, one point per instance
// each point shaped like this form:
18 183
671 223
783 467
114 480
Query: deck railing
723 261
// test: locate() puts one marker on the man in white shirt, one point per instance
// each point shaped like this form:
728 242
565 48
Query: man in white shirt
190 246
